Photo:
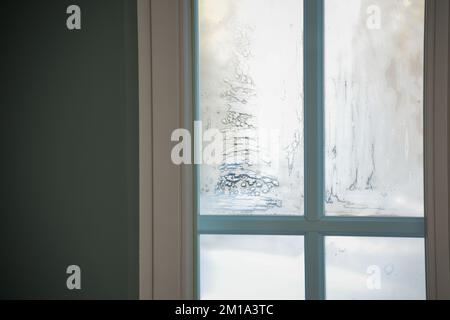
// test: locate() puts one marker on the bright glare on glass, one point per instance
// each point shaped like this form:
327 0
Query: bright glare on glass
374 61
251 100
375 268
252 268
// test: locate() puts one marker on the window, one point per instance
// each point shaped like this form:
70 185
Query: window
313 184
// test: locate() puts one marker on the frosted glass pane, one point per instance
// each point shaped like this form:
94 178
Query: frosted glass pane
251 99
252 268
375 268
374 107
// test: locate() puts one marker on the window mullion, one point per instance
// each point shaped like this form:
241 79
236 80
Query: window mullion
314 144
314 109
314 266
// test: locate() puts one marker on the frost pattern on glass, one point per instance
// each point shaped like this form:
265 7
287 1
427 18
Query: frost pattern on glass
252 267
251 90
375 268
374 107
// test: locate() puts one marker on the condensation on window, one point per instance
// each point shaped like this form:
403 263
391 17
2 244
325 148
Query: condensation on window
251 92
374 60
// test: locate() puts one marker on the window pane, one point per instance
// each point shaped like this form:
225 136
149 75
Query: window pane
252 267
251 100
374 107
375 268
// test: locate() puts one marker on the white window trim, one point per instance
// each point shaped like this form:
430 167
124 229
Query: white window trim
437 88
166 198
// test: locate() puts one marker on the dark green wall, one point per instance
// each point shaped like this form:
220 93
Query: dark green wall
69 150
